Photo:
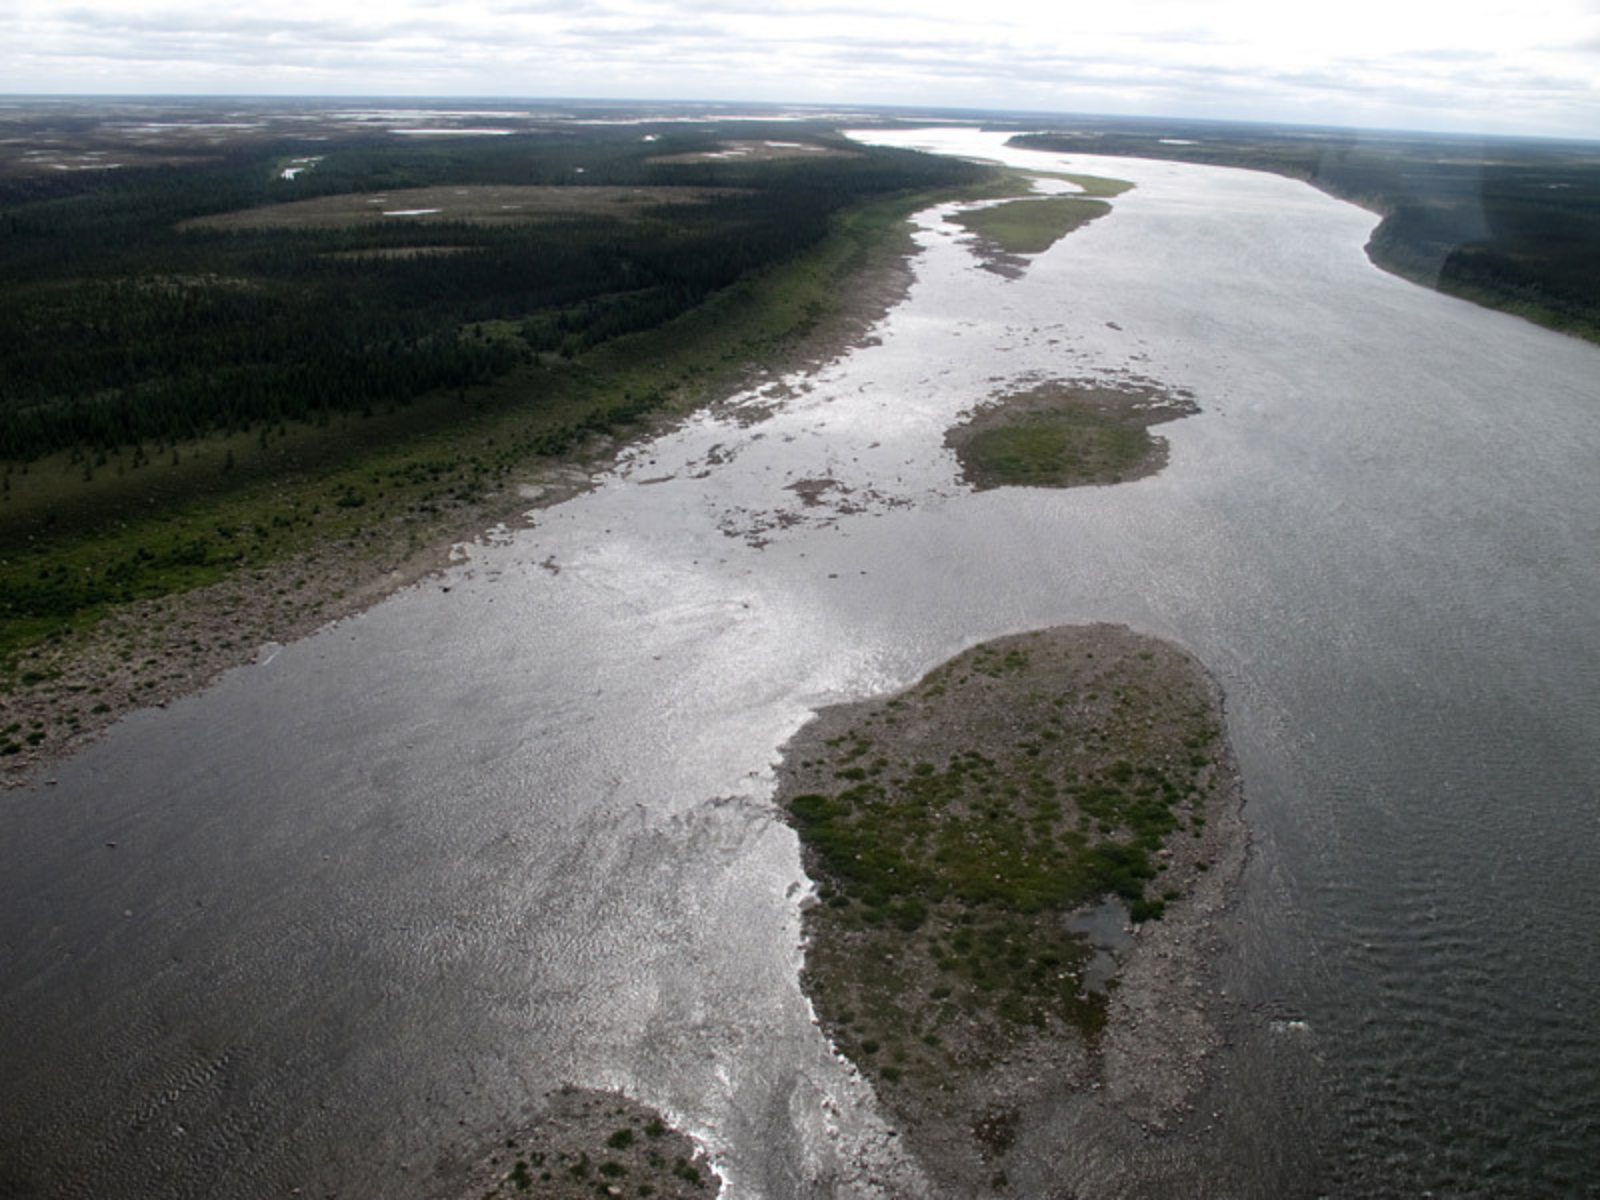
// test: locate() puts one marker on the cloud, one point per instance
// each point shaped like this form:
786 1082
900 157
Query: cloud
1360 60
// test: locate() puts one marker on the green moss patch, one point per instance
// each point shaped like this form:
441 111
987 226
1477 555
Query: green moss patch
1068 434
1030 226
1094 185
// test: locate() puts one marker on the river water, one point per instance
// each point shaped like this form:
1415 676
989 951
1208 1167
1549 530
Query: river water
372 897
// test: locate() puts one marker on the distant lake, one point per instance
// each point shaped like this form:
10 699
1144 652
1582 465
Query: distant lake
369 899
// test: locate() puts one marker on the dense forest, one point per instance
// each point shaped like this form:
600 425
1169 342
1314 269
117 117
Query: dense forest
127 323
1510 223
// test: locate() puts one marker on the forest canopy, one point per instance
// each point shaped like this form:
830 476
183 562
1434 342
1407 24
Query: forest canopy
140 309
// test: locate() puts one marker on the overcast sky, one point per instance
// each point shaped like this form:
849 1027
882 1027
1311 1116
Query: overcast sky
1512 66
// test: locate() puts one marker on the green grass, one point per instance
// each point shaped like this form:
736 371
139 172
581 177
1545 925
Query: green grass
1056 449
1095 185
950 829
1031 226
1068 434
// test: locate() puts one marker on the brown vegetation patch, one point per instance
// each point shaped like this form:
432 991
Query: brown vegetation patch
489 204
756 151
18 160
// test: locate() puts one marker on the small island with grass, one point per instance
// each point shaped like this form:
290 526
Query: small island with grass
253 381
956 828
586 1143
1010 232
1068 433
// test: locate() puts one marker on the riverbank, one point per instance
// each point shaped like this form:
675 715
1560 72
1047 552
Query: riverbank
954 829
67 689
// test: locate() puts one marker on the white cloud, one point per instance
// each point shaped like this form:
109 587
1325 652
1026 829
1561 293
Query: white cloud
1527 67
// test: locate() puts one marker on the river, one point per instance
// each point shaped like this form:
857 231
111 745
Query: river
335 920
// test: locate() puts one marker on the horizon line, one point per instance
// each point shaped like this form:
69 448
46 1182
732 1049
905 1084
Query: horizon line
961 111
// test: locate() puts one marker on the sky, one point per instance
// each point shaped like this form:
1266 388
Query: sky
1473 66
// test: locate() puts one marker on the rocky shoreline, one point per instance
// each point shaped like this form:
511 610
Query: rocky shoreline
584 1144
150 653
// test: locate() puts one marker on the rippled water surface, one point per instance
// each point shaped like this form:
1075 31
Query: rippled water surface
371 898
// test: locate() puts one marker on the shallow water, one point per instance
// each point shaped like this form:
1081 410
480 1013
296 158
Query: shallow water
370 899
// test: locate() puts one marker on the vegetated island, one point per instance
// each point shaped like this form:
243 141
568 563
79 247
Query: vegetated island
1011 231
585 1144
1067 433
954 831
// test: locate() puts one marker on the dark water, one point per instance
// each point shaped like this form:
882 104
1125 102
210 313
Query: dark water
372 898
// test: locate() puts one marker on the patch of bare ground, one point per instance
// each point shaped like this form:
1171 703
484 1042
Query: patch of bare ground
953 829
1068 433
585 1144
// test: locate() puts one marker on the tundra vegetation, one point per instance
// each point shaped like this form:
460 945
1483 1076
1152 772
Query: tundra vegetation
1030 226
1065 433
953 827
1012 231
585 1144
